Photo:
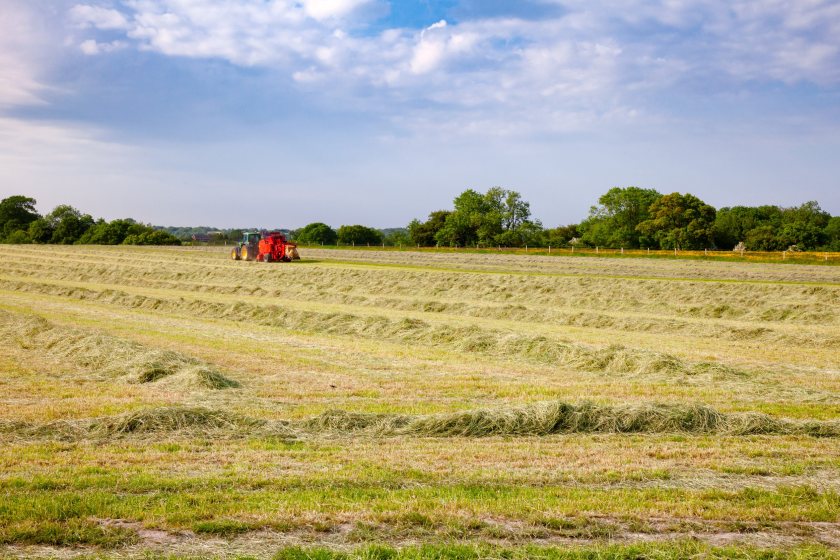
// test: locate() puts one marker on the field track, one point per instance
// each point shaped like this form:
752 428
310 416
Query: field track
423 404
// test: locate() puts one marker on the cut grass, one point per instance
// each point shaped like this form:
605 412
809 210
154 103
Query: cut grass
645 378
653 551
103 356
612 359
541 419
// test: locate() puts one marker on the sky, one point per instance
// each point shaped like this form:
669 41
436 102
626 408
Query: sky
277 113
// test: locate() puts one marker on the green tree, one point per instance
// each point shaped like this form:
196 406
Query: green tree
112 233
463 223
359 235
508 220
18 237
397 237
803 226
499 216
68 224
613 222
423 233
316 233
763 238
680 221
16 213
831 233
40 231
561 235
152 237
732 225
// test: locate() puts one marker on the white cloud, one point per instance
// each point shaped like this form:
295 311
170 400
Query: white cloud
20 57
95 16
92 47
331 9
582 67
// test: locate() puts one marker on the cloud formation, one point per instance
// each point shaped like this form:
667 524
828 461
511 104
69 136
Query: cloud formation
585 62
367 94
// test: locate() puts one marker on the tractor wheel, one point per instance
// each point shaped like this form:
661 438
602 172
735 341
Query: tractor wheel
234 254
246 253
267 257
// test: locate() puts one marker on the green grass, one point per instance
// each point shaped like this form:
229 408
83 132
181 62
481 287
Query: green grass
416 405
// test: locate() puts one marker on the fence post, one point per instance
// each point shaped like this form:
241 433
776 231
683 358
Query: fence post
784 255
675 251
826 256
549 249
596 250
622 250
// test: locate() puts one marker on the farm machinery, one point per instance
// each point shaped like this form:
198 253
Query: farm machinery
269 246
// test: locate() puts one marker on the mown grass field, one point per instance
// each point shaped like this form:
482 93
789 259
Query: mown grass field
169 401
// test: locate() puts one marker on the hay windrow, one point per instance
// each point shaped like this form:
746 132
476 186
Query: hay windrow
540 419
557 417
566 300
184 420
108 357
612 360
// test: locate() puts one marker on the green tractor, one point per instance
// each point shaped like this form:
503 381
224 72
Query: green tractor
248 248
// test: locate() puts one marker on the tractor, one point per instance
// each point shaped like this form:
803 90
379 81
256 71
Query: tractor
266 247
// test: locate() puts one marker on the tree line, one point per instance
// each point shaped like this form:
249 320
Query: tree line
21 223
629 217
624 217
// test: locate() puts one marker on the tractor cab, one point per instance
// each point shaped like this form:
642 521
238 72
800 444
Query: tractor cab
251 237
248 248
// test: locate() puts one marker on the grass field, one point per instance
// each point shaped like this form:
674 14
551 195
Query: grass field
381 404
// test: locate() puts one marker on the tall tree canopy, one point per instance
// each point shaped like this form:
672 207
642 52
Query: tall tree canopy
613 222
359 235
16 213
772 228
316 233
423 233
732 225
499 216
67 224
680 221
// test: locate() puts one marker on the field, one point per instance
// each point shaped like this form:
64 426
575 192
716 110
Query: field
379 404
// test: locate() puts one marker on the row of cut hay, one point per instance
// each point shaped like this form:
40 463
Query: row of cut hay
523 313
695 296
590 266
108 357
399 289
182 420
613 359
540 419
609 267
565 418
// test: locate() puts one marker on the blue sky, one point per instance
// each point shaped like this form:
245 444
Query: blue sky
282 112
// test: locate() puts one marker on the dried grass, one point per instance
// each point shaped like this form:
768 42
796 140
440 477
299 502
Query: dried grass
614 359
108 357
541 419
564 418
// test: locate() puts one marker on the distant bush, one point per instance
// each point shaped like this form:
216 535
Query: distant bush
316 233
359 235
154 237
